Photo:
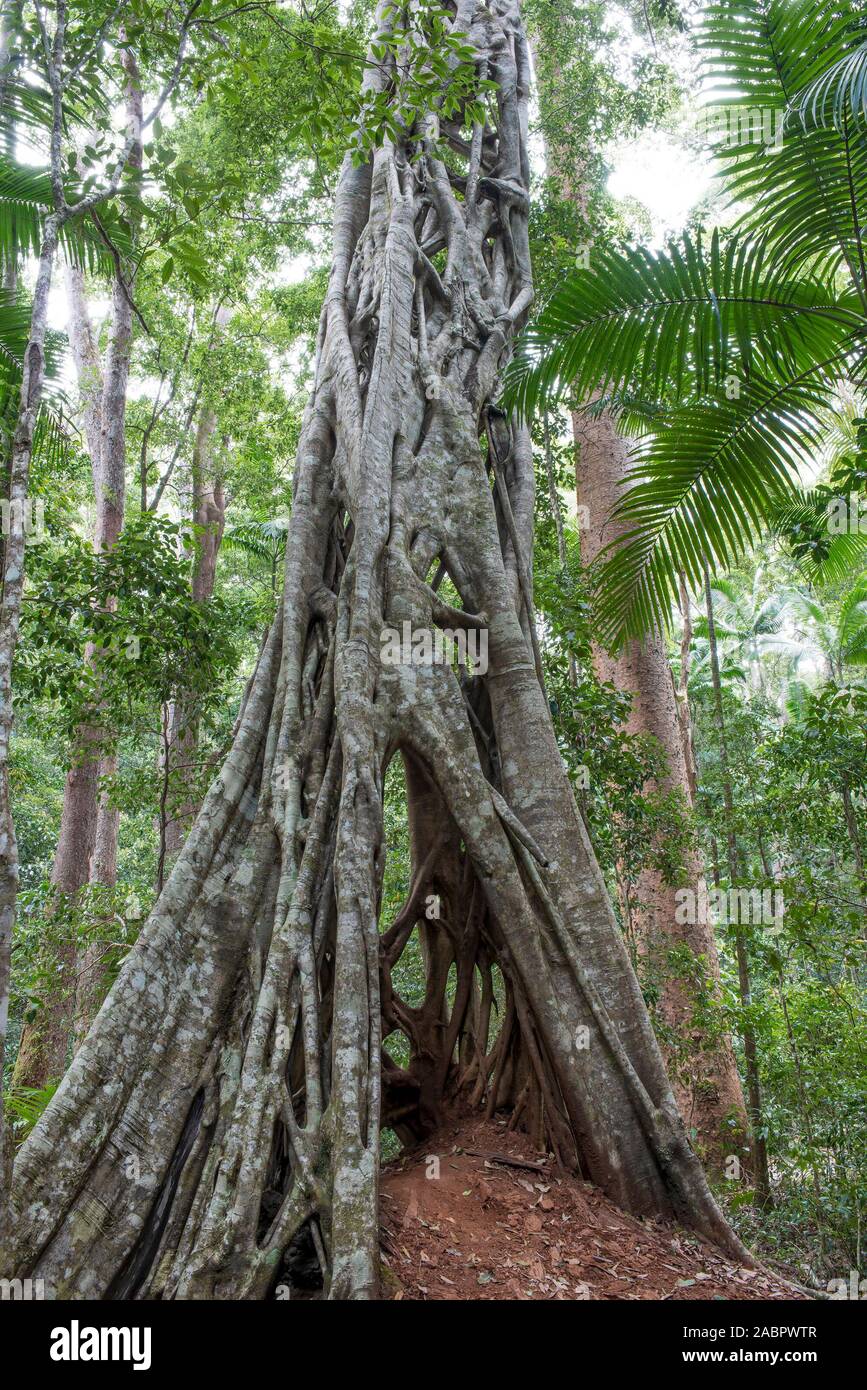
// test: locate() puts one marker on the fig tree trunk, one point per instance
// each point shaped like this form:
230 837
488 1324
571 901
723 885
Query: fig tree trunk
225 1108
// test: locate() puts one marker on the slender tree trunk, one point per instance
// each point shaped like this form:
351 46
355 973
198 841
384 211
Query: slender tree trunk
554 499
10 622
103 862
209 519
751 1061
110 493
852 828
682 695
11 59
45 1042
88 366
227 1101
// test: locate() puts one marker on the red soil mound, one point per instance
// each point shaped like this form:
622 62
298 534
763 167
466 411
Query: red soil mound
472 1226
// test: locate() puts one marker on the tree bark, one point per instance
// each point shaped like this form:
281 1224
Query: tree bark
227 1101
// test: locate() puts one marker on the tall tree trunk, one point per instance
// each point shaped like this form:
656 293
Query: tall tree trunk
751 1060
227 1101
110 493
682 695
209 519
45 1042
32 381
706 1079
705 1076
15 488
11 59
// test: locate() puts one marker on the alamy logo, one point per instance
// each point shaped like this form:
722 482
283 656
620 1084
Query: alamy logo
22 1290
855 1287
847 516
76 1343
735 906
742 125
423 646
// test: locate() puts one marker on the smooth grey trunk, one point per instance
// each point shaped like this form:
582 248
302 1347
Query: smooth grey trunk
209 519
69 1010
10 62
758 1143
10 622
228 1099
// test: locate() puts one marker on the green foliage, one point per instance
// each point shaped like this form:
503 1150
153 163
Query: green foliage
424 65
741 341
24 1106
132 606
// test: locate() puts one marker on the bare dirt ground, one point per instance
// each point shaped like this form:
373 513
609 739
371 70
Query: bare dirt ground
484 1229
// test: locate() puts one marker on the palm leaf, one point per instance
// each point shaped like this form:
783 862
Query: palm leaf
839 95
25 201
852 621
701 490
760 55
674 323
25 1105
262 539
53 434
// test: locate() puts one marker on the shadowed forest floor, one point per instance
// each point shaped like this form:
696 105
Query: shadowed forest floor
484 1229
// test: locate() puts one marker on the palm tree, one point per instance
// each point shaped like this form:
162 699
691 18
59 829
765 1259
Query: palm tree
750 628
699 685
264 540
842 639
729 346
826 554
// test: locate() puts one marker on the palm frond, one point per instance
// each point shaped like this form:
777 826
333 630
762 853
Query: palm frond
759 55
796 700
674 323
54 433
845 554
262 539
701 490
839 95
852 620
25 201
14 331
25 1105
